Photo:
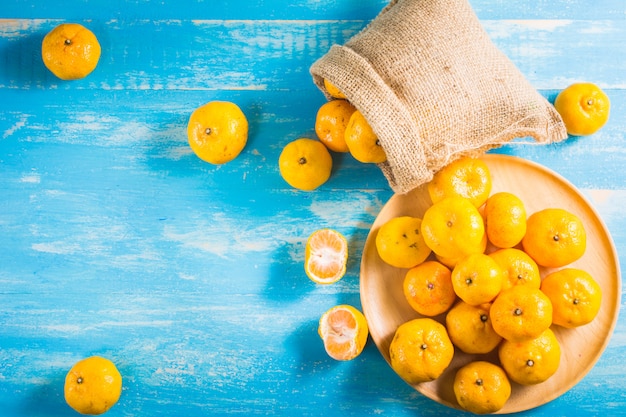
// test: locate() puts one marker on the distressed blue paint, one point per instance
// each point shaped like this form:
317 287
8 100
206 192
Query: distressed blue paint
276 55
116 240
131 10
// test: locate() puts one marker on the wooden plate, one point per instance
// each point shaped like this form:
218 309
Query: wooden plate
385 307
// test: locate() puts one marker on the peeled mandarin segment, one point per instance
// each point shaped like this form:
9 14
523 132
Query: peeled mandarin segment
217 131
465 177
344 332
554 237
330 124
428 288
521 313
326 256
477 279
533 361
453 228
584 108
399 242
470 329
70 51
481 387
305 164
420 350
341 334
575 296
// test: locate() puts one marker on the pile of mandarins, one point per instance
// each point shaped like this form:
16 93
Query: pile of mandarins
476 257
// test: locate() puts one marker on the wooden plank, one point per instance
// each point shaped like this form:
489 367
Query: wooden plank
276 55
106 140
117 240
310 9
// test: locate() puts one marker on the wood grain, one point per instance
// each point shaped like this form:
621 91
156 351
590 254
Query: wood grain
386 308
116 240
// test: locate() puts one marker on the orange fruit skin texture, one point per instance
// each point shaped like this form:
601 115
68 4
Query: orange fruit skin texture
217 131
481 387
420 350
305 164
518 268
325 256
477 279
505 222
470 329
494 261
333 90
330 124
70 51
532 361
362 142
344 331
93 385
575 296
521 313
584 108
465 177
554 237
454 228
428 288
399 242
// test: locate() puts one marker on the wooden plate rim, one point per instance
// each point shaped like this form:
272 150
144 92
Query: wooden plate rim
522 398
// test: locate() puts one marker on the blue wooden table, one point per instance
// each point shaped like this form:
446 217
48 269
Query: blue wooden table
116 240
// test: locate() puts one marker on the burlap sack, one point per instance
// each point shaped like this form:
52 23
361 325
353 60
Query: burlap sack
434 87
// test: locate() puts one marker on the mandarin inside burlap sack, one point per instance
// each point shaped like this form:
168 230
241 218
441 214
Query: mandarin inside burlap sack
434 87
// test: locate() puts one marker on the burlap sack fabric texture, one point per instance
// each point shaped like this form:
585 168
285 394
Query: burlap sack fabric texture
434 87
